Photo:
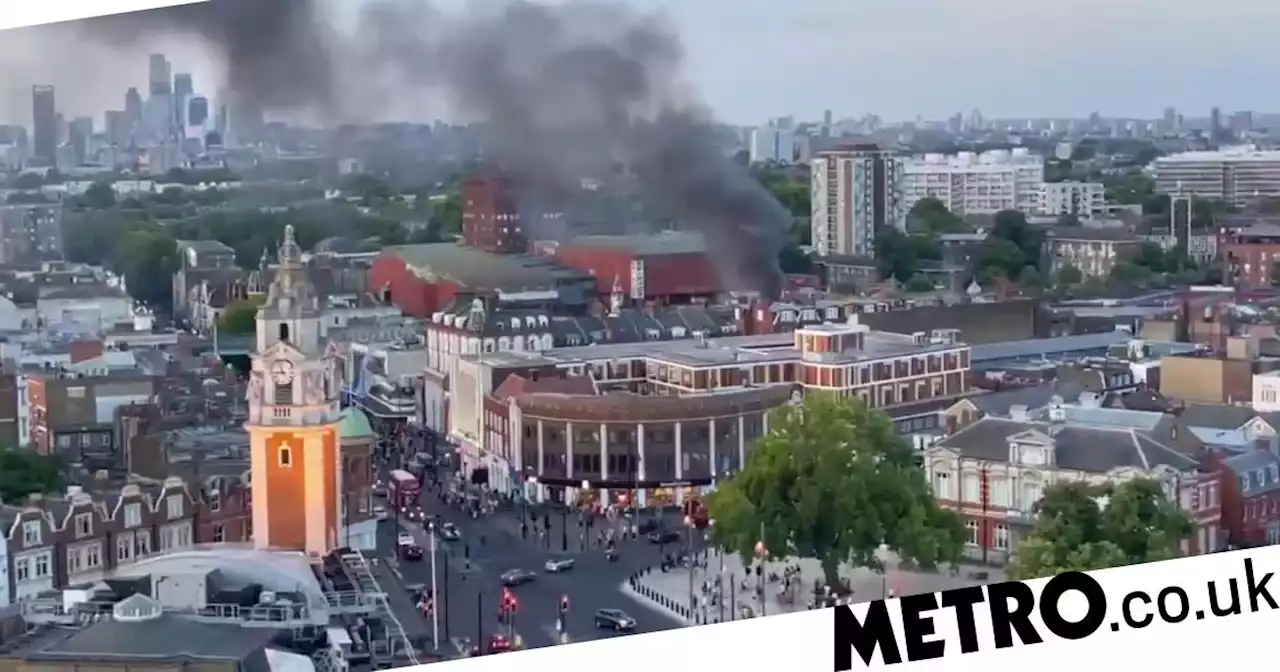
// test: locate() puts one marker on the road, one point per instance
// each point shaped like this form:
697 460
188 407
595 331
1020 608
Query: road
469 586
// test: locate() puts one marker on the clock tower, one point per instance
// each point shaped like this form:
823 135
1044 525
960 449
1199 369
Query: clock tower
295 453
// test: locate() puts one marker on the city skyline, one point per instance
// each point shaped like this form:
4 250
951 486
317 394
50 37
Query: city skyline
766 60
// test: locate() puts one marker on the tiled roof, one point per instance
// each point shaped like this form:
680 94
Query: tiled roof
1086 448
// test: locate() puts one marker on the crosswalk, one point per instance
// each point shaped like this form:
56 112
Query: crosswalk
449 553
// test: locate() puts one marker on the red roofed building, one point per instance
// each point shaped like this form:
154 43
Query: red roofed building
669 266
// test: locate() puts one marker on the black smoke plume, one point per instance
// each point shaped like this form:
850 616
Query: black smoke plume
563 92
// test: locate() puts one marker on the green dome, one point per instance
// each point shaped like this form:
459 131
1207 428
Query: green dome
353 424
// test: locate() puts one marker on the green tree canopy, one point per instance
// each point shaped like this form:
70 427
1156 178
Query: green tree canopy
100 195
240 317
24 473
1069 275
1081 527
930 215
832 480
919 283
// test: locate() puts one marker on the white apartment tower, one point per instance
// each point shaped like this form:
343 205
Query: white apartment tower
1234 175
854 192
772 144
970 183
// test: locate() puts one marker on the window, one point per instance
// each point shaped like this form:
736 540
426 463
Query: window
142 544
215 501
219 534
1002 538
84 525
184 536
124 548
22 569
970 484
75 393
971 527
942 485
173 504
93 556
75 562
284 332
286 457
132 515
31 532
64 441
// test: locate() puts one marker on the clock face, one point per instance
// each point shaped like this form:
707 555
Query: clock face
282 372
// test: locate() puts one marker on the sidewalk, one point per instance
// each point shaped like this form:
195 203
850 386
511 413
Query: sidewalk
671 591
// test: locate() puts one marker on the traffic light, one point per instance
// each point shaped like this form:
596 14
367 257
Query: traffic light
564 604
509 603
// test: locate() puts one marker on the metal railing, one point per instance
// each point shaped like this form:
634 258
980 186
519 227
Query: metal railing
53 611
354 602
367 583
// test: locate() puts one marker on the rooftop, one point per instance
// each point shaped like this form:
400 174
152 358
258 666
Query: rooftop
1226 155
476 269
665 242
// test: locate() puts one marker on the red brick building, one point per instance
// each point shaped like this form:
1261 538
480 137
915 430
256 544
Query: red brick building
1249 253
1250 487
490 216
670 266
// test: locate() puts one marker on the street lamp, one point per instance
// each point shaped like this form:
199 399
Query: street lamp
532 483
582 518
688 551
762 553
711 526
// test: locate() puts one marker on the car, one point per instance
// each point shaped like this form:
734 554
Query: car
411 551
380 513
449 532
412 513
648 525
557 565
664 537
516 577
499 643
614 619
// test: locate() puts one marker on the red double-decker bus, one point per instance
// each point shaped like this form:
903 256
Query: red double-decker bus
404 487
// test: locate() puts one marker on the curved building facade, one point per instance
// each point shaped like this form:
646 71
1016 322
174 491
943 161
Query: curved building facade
637 446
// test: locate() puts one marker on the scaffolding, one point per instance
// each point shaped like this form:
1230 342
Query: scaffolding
367 584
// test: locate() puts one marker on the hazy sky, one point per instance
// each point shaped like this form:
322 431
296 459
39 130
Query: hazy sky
754 59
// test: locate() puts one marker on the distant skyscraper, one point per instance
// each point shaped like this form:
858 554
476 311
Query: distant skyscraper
159 70
133 105
1215 122
115 124
183 89
197 111
44 114
81 135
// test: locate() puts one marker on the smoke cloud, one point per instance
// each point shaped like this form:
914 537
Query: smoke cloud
563 92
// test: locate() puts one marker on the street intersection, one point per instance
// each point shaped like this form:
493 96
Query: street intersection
469 589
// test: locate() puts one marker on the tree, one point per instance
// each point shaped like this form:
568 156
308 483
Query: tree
1080 527
930 215
1129 273
99 196
833 480
240 317
1030 278
1070 275
24 473
919 283
147 258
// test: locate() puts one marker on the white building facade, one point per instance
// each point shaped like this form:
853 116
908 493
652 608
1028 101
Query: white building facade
969 183
1082 199
769 144
854 192
1233 175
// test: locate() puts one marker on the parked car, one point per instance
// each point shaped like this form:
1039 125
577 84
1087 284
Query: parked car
516 577
380 513
615 619
409 548
664 537
557 565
